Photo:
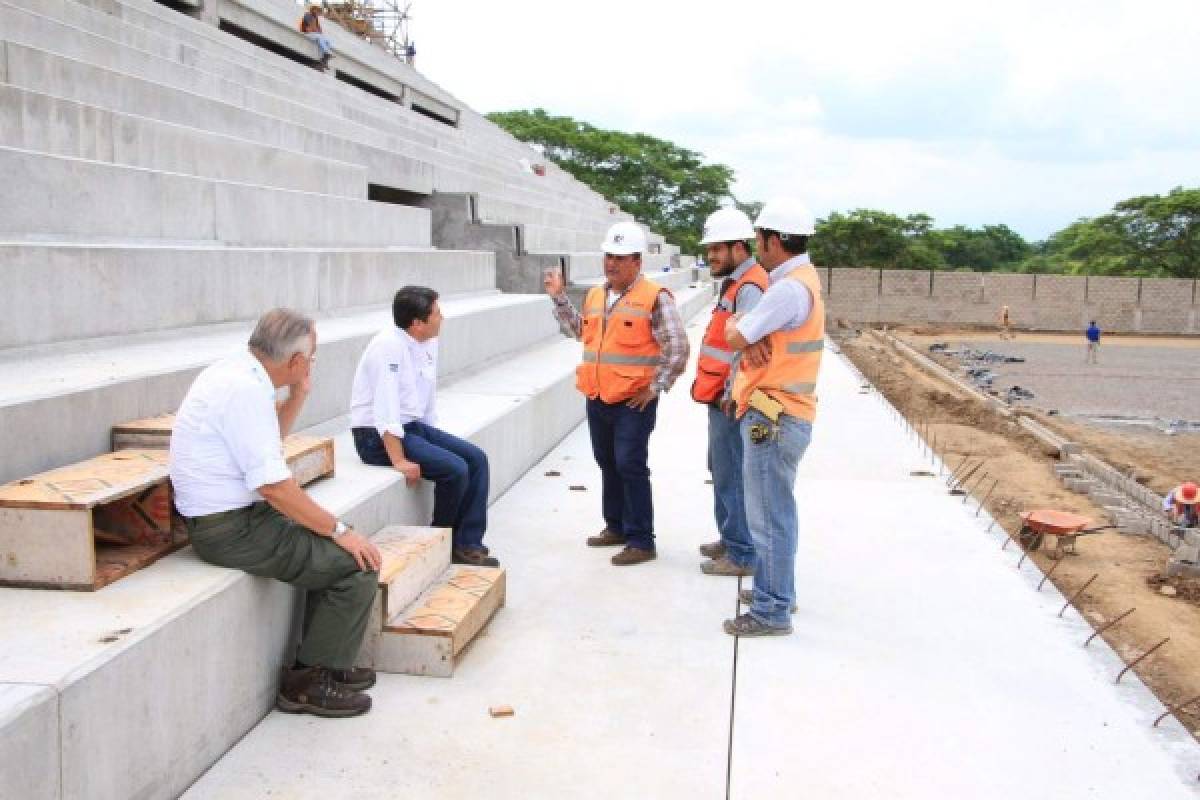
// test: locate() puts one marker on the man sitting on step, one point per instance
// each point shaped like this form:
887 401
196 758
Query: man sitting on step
393 420
245 511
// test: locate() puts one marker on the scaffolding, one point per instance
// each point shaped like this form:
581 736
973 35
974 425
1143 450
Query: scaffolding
383 23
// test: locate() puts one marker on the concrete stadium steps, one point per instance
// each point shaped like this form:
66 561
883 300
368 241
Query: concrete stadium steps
131 203
61 293
144 712
676 280
42 123
57 403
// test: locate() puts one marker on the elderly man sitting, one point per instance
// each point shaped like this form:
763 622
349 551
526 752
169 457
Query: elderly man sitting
245 511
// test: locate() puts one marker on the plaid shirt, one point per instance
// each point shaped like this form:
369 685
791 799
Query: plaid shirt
665 323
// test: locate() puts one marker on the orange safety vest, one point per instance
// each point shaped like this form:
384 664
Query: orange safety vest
716 356
790 376
620 354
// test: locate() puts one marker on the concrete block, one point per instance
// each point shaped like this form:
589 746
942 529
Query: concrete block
30 761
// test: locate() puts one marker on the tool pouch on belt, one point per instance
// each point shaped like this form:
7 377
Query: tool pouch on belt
766 405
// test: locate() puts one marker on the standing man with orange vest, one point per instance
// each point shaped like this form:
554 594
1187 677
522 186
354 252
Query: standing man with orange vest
775 390
726 240
634 347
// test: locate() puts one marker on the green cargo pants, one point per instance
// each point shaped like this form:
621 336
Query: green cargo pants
261 541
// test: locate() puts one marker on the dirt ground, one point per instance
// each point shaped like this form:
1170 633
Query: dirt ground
1129 568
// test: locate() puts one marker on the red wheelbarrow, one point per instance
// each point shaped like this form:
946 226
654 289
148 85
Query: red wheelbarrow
1058 530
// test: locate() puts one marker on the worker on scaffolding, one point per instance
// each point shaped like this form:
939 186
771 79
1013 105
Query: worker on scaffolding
1182 505
310 26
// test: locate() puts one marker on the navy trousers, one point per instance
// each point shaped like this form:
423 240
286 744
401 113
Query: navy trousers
621 446
458 469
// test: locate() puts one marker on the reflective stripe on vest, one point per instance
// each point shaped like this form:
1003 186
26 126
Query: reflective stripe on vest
790 376
620 353
716 356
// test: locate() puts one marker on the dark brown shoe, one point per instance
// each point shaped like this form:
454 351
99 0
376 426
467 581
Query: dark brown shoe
725 566
713 550
747 597
605 538
312 690
475 556
633 555
356 679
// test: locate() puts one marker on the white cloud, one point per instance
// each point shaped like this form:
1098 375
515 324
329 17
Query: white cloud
1028 113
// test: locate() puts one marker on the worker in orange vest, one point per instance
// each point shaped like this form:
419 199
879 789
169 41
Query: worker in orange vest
634 348
775 391
726 240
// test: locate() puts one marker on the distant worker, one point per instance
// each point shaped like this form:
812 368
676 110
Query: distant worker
727 235
310 26
244 510
1093 342
1182 505
634 348
775 391
394 423
1005 323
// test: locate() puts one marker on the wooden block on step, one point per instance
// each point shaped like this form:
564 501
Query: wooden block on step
86 525
429 637
309 457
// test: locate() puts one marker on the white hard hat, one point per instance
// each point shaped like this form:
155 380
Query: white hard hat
624 238
786 216
727 225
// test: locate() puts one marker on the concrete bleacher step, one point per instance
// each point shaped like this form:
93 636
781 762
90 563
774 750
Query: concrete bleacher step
58 404
146 204
428 637
160 287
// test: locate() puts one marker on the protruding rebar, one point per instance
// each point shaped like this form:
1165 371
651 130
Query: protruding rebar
1135 662
1108 625
967 492
1078 592
1046 577
986 496
1172 709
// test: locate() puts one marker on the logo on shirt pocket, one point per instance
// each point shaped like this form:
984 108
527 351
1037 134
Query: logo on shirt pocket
394 367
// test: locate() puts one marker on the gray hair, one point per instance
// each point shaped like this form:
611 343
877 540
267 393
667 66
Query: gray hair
280 333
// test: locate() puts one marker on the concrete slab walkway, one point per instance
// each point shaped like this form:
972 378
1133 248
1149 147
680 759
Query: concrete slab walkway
923 664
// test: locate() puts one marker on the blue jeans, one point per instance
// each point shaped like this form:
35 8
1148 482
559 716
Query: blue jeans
458 469
729 502
621 446
769 472
323 43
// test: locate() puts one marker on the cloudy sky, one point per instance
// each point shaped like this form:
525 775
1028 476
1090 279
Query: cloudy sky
1028 113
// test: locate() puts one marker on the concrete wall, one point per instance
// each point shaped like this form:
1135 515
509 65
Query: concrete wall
1036 302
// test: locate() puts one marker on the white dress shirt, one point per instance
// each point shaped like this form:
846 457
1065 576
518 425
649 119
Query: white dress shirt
225 442
395 383
784 307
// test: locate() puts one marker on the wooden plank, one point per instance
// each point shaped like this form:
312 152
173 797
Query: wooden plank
103 479
46 548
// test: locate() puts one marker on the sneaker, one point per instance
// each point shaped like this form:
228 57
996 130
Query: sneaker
633 555
312 690
746 625
724 566
747 598
713 549
605 538
356 678
475 556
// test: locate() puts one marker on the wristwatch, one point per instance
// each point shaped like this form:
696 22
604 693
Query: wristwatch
339 528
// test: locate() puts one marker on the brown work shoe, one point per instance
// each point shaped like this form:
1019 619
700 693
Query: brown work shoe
605 538
633 555
747 597
713 549
312 690
356 678
725 566
475 556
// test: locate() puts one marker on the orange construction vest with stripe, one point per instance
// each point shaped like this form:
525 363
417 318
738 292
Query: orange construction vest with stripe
790 376
716 356
620 353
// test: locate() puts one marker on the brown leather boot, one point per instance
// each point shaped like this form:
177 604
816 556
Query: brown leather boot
633 555
313 690
713 549
356 678
605 538
475 556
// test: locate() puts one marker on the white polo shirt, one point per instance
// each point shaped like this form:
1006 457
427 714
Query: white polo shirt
226 442
395 383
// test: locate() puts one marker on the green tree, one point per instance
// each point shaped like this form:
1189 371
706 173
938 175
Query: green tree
665 186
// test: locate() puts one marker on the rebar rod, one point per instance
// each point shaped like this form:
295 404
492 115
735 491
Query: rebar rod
1046 577
1078 592
1108 625
1135 662
986 496
1172 709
